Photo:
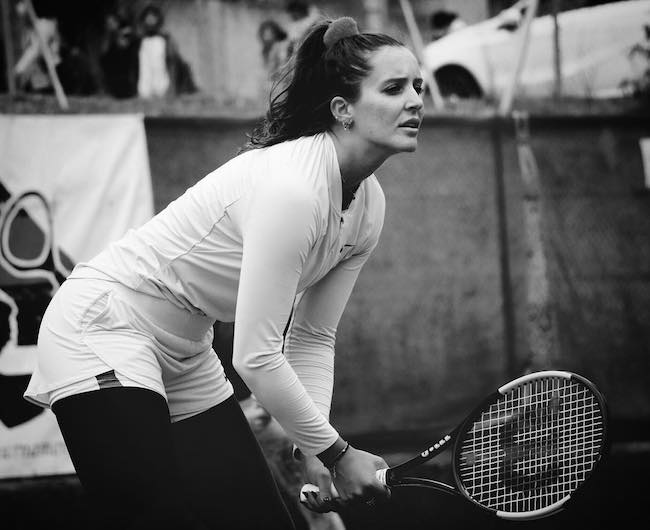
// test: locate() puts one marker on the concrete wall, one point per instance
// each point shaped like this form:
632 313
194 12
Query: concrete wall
597 236
424 334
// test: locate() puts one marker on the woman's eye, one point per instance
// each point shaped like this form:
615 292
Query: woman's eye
418 88
393 89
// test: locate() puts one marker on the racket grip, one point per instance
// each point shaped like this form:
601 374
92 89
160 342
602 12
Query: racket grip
311 488
382 476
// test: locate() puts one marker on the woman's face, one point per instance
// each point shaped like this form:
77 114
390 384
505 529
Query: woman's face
268 35
389 110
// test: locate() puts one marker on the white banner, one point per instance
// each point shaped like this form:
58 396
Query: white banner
68 186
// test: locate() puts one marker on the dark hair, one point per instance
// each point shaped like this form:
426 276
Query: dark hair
152 9
442 19
298 8
278 33
300 99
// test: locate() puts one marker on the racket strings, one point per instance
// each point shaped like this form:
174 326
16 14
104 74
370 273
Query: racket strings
532 447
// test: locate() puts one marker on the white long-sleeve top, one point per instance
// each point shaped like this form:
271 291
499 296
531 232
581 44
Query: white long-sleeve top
243 244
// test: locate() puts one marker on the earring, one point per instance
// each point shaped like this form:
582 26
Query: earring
347 123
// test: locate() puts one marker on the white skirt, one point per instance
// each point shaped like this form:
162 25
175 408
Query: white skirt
93 326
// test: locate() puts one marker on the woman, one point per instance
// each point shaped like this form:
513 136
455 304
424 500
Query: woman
274 46
278 233
155 52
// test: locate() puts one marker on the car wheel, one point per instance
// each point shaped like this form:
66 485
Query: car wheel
456 81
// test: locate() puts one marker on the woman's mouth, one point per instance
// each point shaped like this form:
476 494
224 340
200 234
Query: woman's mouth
413 123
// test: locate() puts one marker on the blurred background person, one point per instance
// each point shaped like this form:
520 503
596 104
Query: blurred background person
119 56
153 54
639 84
275 45
75 71
31 69
303 14
161 69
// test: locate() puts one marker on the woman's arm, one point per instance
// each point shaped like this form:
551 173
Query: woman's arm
309 348
309 345
279 229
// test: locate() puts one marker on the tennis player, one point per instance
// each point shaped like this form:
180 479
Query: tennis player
273 240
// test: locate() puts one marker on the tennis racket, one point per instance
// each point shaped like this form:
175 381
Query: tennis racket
524 451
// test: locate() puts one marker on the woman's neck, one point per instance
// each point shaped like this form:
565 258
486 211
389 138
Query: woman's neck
357 160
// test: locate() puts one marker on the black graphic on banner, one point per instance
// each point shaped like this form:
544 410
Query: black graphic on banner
32 268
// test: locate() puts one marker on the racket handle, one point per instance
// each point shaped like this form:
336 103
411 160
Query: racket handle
382 476
310 488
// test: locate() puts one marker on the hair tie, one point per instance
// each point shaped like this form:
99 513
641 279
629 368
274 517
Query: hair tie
339 29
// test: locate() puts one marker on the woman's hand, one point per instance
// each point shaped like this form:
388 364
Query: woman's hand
355 477
354 481
316 473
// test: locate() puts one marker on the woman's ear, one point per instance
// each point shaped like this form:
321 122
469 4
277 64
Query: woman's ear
341 110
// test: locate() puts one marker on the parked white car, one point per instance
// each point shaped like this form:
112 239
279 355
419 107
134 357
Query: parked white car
595 45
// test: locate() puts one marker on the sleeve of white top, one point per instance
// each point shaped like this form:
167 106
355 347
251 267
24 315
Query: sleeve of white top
309 346
278 231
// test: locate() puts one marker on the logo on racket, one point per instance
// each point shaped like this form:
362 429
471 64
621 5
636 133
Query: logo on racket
530 441
435 446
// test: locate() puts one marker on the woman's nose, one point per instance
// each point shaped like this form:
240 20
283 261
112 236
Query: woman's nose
414 100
